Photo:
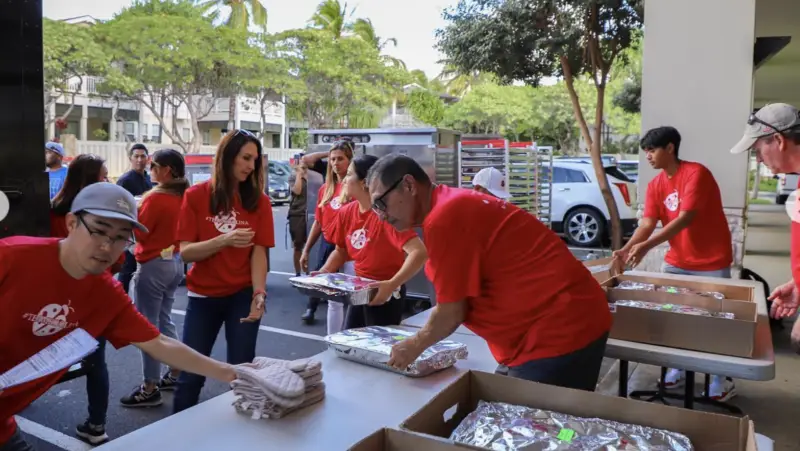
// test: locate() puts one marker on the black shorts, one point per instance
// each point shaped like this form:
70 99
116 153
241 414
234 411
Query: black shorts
298 231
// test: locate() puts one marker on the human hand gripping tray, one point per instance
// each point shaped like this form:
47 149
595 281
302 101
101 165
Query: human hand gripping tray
337 287
373 346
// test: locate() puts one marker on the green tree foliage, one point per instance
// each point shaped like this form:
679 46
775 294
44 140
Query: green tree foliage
152 60
70 52
629 97
240 13
527 40
425 106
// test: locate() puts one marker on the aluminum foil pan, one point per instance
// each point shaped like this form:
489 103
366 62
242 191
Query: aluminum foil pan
598 268
500 426
633 285
373 346
677 308
682 290
337 287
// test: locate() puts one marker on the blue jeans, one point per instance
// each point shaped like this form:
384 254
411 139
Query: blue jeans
724 273
97 385
579 369
155 283
204 318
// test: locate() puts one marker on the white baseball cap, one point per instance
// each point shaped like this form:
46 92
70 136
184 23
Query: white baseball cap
493 181
773 118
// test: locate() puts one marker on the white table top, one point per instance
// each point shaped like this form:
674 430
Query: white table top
359 400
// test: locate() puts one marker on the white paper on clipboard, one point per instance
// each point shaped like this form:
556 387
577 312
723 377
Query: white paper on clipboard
63 353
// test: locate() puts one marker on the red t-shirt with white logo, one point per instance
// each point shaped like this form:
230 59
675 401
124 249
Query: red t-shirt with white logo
158 212
227 271
375 246
705 245
527 295
326 215
36 314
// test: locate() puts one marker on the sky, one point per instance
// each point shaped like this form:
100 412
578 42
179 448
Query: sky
412 22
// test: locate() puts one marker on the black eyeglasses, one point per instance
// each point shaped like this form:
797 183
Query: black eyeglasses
379 205
102 238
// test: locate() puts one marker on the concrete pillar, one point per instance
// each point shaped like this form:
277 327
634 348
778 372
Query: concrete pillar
112 125
140 127
51 128
84 132
697 75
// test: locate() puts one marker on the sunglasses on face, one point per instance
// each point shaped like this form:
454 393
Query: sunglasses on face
379 205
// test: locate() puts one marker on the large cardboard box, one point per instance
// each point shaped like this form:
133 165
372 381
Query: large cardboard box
735 337
388 439
730 288
707 431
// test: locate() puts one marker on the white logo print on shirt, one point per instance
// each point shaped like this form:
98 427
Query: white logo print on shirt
358 239
51 319
672 201
336 203
226 223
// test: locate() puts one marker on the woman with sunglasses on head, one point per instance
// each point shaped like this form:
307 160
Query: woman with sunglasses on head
329 201
379 251
85 170
225 228
159 268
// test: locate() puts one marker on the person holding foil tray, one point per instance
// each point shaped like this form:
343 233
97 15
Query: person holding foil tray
502 273
379 251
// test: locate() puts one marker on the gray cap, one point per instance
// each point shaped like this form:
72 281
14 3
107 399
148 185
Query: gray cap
55 147
780 116
108 200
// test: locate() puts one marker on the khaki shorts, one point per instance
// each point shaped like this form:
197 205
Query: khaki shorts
298 231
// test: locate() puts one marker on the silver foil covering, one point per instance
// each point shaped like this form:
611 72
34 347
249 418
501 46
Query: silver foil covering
677 308
633 285
599 268
500 426
338 287
373 346
682 290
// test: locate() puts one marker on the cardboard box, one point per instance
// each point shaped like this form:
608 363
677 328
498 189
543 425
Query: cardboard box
724 286
735 337
395 440
707 431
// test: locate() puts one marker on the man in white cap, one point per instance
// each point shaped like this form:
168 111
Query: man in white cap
79 293
773 133
491 181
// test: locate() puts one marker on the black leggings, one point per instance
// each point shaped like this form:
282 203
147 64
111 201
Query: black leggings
326 248
388 314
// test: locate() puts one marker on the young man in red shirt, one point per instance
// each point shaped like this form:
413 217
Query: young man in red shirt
686 199
80 293
773 133
501 273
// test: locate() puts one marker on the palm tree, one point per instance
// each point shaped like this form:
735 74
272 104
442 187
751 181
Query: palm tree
457 82
333 17
364 29
243 14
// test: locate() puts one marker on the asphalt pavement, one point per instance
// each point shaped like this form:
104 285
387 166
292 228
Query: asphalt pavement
283 336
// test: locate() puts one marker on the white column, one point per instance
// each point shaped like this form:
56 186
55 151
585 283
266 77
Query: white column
697 76
51 128
84 132
141 131
112 125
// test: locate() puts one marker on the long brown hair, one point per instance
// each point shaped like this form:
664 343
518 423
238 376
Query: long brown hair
251 190
172 159
84 170
345 147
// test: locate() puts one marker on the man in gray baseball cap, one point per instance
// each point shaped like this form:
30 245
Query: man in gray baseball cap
774 134
108 201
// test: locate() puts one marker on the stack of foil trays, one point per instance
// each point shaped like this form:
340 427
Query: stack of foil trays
373 346
501 426
675 308
337 287
643 286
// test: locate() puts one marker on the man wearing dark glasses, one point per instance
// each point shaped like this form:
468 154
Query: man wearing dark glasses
502 273
773 133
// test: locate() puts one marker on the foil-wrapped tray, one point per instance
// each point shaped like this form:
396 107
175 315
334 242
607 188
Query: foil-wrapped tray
683 290
337 287
634 285
501 426
373 346
676 308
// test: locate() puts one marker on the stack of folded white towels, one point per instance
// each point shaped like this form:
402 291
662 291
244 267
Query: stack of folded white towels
273 388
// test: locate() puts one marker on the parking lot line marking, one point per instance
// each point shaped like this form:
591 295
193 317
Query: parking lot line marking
281 273
273 329
51 436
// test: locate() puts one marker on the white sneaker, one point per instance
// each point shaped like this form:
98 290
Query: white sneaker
721 389
674 379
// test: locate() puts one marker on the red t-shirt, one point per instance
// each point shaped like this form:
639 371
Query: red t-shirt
706 244
375 246
527 295
227 271
326 215
159 213
36 314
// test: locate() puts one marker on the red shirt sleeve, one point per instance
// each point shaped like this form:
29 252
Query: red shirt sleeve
188 220
265 234
651 203
454 253
128 325
794 252
399 239
695 190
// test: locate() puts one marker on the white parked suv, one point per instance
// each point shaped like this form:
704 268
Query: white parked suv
787 184
578 210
